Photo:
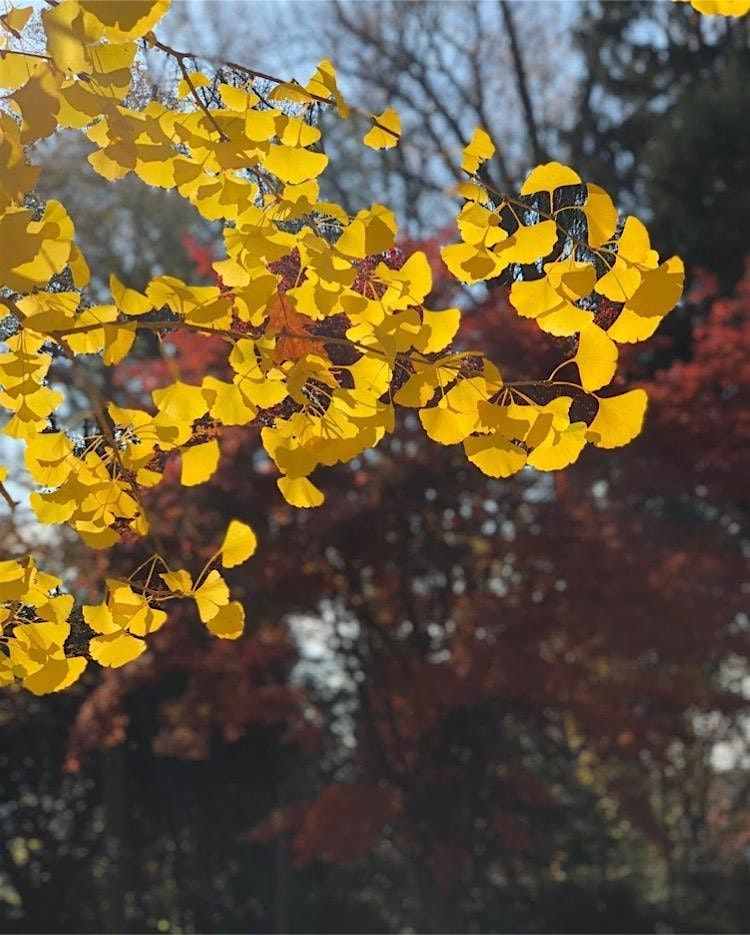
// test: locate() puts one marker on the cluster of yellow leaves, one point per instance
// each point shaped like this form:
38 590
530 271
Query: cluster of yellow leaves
325 324
33 621
35 616
578 271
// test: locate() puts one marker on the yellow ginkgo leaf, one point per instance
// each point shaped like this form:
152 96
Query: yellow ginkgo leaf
300 492
199 462
629 327
634 243
12 580
128 300
291 164
447 426
471 264
212 595
179 582
17 68
55 675
125 19
99 618
181 402
91 339
227 403
240 542
495 455
118 339
116 649
601 215
480 149
16 18
229 622
456 415
197 80
559 449
596 358
79 268
385 132
659 291
618 419
721 7
548 177
372 231
528 244
438 330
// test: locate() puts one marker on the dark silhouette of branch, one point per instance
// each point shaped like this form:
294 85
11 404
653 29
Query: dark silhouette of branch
523 87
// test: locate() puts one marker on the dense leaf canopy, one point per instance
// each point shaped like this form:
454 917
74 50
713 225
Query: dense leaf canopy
321 317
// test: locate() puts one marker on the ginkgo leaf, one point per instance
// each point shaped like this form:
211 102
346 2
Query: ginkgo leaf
634 244
15 18
16 69
480 149
55 675
211 596
721 7
494 455
659 290
114 650
559 449
323 84
229 622
618 419
128 300
471 264
294 165
12 580
227 402
539 299
439 329
118 339
126 19
300 492
601 215
629 327
455 417
385 132
181 402
199 463
620 283
548 177
447 426
179 582
79 268
240 542
99 618
91 340
372 231
596 358
529 244
197 80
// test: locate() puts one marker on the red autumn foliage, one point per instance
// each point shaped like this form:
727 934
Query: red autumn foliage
504 648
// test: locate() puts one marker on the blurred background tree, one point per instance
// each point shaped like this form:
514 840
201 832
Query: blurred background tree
461 704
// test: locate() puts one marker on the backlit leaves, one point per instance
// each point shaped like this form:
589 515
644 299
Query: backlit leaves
385 132
325 325
239 544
